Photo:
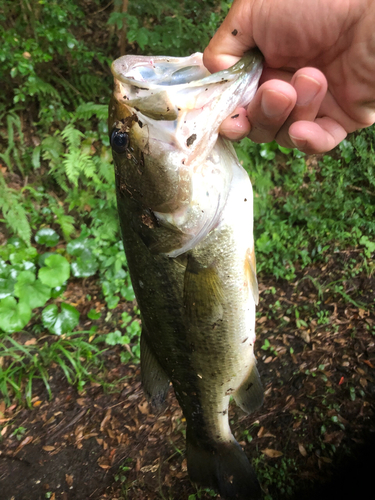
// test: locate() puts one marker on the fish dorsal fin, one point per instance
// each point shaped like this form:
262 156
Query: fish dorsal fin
251 273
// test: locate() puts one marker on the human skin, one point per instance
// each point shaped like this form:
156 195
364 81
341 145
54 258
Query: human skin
318 82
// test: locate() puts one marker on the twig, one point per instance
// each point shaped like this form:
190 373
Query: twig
72 422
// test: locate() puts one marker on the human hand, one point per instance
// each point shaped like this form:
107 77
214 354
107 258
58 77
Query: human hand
318 82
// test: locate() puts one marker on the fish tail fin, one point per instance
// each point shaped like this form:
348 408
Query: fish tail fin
225 469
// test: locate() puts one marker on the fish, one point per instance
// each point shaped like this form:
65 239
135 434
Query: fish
185 206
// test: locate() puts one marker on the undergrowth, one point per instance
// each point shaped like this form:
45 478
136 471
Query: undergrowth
58 217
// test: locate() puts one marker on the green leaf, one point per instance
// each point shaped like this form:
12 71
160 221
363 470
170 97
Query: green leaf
86 264
112 301
142 37
13 315
30 290
92 314
23 254
47 236
42 258
55 272
76 247
6 287
60 322
116 337
57 291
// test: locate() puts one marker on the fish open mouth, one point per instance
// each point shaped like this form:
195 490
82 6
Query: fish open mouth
181 93
171 71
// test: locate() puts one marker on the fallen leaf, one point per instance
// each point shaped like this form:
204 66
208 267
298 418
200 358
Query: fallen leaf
261 432
105 420
368 363
49 448
69 479
150 468
37 403
31 342
143 408
26 441
302 450
363 382
272 453
103 463
305 336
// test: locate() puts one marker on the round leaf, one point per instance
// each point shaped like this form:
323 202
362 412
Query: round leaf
6 287
76 247
85 265
60 322
13 315
55 272
47 236
42 258
31 291
23 254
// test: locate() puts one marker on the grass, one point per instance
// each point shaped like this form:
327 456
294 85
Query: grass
24 363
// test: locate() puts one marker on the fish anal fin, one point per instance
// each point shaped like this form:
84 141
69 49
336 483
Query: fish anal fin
223 467
251 273
154 380
203 293
249 396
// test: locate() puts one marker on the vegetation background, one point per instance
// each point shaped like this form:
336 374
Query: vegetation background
65 292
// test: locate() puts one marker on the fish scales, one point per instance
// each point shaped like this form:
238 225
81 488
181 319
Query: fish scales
186 212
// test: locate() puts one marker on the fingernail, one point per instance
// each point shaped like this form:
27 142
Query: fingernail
307 88
299 143
274 104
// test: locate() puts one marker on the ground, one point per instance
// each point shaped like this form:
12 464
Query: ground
316 356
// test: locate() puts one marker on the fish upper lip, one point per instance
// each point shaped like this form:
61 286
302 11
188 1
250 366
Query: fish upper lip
251 59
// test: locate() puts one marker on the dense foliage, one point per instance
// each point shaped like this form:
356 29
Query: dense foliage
57 193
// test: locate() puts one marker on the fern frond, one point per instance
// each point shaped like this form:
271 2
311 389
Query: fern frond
13 212
90 109
77 163
72 136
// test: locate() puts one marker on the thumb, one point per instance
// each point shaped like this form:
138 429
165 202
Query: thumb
232 39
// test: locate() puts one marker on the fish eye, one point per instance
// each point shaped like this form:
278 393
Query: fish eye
119 141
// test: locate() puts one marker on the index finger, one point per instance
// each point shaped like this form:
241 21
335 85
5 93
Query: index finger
232 39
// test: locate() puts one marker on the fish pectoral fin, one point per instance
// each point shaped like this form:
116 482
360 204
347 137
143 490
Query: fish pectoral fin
158 235
154 379
203 292
249 396
251 273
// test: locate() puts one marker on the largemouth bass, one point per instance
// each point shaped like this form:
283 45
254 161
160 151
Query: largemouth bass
186 211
